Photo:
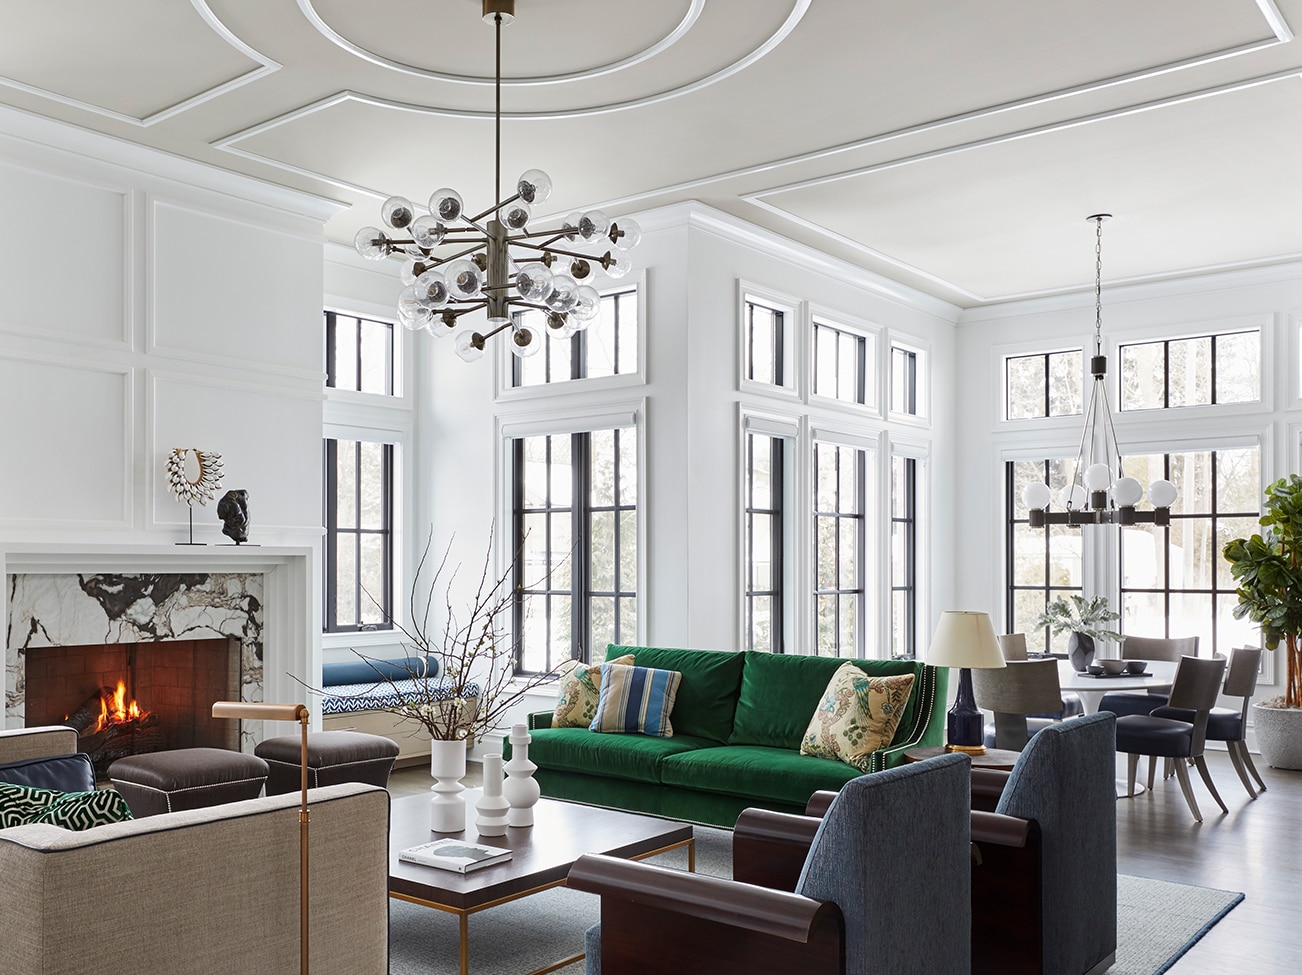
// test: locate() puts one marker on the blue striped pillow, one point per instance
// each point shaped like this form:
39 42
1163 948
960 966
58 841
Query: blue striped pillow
636 700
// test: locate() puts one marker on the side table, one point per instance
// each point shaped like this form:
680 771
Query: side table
996 758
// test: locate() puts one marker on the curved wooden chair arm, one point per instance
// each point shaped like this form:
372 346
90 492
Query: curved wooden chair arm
769 848
987 786
737 905
988 827
819 802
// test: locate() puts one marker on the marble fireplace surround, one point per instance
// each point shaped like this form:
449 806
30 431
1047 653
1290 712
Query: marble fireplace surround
263 596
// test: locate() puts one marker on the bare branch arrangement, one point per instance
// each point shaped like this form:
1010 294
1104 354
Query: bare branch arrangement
478 683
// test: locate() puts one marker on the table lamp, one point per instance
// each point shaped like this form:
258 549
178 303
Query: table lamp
965 640
282 712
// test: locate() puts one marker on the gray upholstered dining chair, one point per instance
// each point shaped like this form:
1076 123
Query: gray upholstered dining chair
1022 688
1122 703
1013 647
1179 730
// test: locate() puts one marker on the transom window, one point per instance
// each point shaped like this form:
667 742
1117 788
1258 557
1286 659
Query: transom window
575 527
359 535
764 333
1201 371
763 528
1043 385
840 364
904 556
359 354
839 540
607 347
904 381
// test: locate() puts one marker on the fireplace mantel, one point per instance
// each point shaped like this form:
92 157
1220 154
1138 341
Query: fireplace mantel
291 635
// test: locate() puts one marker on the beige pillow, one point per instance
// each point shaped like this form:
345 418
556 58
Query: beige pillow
857 715
579 690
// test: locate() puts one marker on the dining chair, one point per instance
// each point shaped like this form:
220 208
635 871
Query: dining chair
1013 647
1122 703
1013 692
1179 730
1230 725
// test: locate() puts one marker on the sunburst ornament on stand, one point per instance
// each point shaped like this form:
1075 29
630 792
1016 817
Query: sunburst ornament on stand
455 264
203 488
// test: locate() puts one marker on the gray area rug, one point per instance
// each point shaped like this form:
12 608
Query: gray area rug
1157 923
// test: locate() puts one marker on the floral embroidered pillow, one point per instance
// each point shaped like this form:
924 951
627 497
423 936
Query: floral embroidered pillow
857 715
579 690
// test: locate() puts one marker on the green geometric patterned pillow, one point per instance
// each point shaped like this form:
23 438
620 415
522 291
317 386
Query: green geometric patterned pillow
857 715
22 804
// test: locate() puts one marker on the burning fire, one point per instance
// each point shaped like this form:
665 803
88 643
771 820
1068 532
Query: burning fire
115 709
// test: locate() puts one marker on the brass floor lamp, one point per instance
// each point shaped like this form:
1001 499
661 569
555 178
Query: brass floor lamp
282 712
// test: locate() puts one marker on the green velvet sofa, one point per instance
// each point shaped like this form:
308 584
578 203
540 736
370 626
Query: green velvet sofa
738 720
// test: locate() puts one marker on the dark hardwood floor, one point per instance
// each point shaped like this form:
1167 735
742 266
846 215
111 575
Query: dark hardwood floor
1256 849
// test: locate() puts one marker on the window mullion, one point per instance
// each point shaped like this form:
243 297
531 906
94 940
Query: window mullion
580 506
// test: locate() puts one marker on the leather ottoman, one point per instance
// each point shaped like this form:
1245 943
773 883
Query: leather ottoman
332 757
186 778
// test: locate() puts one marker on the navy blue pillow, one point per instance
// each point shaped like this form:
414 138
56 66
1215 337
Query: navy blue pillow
375 671
67 773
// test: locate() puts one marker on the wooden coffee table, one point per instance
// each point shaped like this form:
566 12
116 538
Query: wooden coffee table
543 855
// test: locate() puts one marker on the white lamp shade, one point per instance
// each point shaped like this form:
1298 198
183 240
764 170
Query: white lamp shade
1127 492
1073 496
1162 494
964 639
1097 477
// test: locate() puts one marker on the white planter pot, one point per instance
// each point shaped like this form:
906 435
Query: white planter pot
447 763
1279 735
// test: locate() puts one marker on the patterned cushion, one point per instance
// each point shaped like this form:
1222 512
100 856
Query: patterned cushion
580 690
856 716
636 700
21 804
375 696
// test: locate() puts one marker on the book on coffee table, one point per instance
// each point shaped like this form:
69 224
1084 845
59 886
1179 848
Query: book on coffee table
460 856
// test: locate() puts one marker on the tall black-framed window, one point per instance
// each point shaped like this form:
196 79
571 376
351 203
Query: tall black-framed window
607 347
840 500
575 527
1042 564
1043 385
1205 370
359 354
840 364
765 334
1174 582
358 503
764 619
904 556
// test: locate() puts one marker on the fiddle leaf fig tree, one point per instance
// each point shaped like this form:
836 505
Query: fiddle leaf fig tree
1268 571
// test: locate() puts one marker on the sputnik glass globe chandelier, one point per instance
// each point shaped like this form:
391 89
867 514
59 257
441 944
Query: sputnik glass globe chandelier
1092 495
455 264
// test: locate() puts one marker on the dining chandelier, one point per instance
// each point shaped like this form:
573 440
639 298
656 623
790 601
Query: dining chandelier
455 264
1092 495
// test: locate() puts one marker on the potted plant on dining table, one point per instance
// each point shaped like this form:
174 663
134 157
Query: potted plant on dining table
1085 620
1267 569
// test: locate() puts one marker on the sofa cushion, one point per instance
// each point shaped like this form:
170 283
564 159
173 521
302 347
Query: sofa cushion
578 691
707 696
780 691
636 757
857 715
636 700
66 773
773 774
22 804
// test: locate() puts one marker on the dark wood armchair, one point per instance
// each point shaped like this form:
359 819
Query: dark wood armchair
866 891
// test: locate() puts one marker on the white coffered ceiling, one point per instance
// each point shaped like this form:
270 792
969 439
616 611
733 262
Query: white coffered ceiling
954 145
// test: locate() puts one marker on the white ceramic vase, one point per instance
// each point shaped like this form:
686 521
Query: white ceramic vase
520 788
492 805
447 763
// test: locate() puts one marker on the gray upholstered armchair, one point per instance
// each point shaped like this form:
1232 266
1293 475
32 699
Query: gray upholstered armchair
1044 894
889 858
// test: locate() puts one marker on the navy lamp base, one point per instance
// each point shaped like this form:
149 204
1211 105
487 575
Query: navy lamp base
965 727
